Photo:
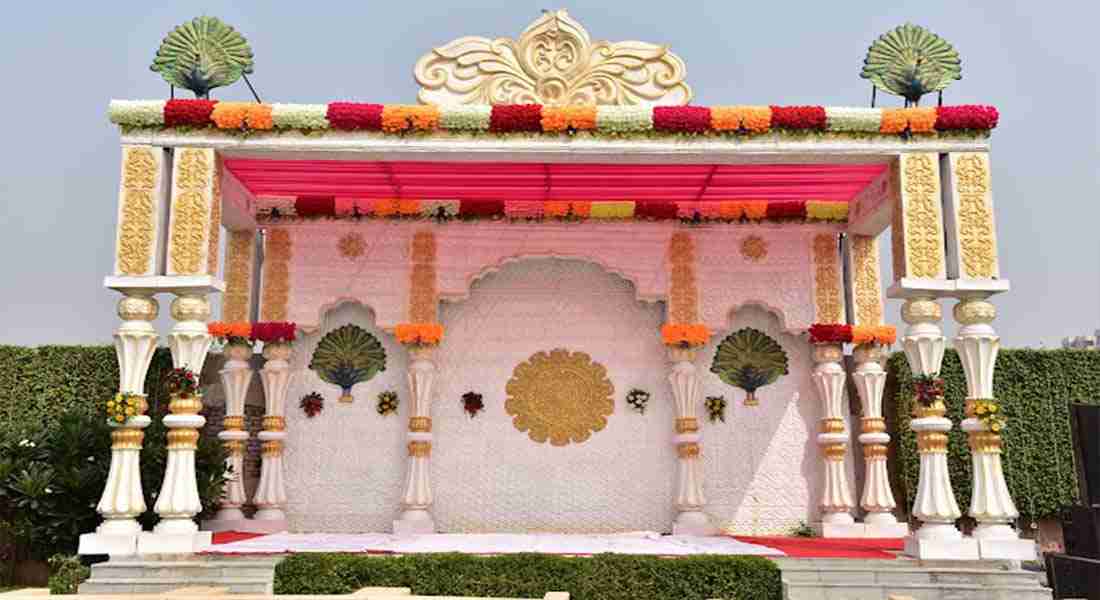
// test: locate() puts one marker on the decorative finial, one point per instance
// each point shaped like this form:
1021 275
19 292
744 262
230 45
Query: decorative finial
203 54
911 61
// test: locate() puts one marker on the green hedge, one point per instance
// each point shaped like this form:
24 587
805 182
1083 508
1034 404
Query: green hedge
39 384
1035 387
601 577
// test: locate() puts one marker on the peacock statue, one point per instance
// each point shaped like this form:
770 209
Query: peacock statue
346 356
749 359
910 61
203 54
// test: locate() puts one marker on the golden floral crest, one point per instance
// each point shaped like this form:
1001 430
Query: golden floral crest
553 62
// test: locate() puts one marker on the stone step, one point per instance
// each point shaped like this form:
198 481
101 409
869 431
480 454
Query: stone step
137 576
954 591
140 585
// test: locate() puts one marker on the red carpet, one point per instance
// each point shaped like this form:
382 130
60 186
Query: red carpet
830 547
228 537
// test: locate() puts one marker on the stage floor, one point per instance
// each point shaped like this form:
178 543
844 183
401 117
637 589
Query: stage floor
643 542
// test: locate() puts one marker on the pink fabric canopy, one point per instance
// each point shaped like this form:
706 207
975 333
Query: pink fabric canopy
546 181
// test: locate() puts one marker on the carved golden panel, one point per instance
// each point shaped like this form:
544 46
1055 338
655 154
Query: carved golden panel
977 236
137 220
191 208
683 296
238 276
423 298
827 295
214 241
560 396
866 284
554 62
276 292
922 218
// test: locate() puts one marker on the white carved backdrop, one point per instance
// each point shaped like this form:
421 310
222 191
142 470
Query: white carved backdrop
487 475
345 467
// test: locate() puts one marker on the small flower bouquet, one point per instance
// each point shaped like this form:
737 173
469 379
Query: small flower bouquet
716 408
472 404
181 383
123 407
929 389
989 412
387 402
312 404
637 399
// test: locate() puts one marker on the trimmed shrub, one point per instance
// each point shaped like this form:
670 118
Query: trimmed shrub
1035 388
601 577
66 574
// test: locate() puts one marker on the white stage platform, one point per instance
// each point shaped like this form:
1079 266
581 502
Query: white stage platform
381 543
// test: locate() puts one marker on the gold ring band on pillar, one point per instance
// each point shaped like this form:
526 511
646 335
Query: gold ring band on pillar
274 423
832 425
932 442
874 451
234 446
872 425
272 448
233 423
190 405
420 449
985 442
687 425
183 439
835 451
420 424
127 439
688 449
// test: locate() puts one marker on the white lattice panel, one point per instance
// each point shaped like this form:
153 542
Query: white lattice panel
345 468
487 475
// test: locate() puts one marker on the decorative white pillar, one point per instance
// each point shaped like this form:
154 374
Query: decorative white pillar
178 500
878 499
935 504
416 501
836 497
270 496
123 500
991 503
690 501
236 377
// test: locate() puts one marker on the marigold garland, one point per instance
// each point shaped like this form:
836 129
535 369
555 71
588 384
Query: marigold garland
827 211
231 333
685 336
419 334
613 120
878 334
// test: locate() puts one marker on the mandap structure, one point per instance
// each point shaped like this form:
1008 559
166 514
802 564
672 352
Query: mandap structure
541 270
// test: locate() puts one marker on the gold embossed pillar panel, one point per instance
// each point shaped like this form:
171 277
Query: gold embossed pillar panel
423 294
213 241
864 285
970 226
194 172
918 236
140 198
276 275
239 263
683 295
828 290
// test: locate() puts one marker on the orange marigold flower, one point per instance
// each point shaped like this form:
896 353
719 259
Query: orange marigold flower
419 333
217 329
756 119
424 118
731 209
385 208
241 330
922 120
408 207
691 335
259 116
879 334
756 209
395 118
554 119
894 120
564 118
581 208
555 209
230 115
725 118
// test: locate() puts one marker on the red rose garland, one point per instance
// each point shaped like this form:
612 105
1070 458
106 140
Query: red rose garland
798 117
786 209
967 116
273 331
194 113
830 334
655 209
315 206
515 117
480 208
355 115
684 119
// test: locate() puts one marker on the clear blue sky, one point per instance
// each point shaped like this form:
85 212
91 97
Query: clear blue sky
62 63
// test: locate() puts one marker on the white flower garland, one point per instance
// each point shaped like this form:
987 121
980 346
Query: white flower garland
285 206
300 116
136 112
465 117
430 208
853 119
624 119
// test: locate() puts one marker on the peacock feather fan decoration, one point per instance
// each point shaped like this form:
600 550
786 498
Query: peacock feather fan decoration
346 356
749 359
203 54
911 61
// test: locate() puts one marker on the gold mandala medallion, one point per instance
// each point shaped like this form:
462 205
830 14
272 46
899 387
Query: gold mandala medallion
352 246
754 248
560 396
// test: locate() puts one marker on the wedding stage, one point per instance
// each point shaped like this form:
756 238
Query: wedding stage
638 542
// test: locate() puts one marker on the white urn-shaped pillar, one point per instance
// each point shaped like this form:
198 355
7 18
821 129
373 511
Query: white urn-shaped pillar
270 498
935 505
178 500
877 499
236 376
416 499
836 496
991 503
690 501
123 500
